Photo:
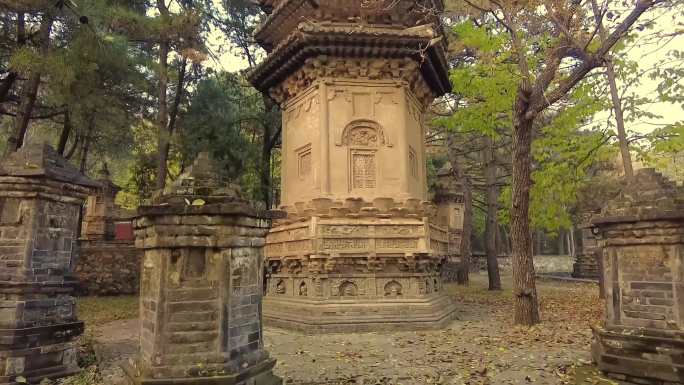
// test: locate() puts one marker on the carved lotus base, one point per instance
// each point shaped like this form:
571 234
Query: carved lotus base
640 356
362 272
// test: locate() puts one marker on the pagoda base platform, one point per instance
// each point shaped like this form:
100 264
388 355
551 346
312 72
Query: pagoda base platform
359 316
640 356
260 374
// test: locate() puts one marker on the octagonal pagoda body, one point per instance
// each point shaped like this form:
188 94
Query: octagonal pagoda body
361 249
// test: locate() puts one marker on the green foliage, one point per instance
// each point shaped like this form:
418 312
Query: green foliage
223 118
563 152
665 150
485 87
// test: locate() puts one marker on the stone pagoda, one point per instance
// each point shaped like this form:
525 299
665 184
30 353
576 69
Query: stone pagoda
41 196
448 196
361 248
641 236
201 286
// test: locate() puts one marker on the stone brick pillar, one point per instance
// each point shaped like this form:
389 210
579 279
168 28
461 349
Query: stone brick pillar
449 200
201 286
41 196
642 236
98 221
587 263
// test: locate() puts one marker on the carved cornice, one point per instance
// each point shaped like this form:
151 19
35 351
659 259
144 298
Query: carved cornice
397 70
285 15
418 46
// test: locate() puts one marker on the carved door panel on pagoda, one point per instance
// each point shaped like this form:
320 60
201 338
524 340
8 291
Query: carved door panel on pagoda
363 169
363 138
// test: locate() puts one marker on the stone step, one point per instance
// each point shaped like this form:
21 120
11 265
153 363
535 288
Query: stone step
195 294
199 316
191 306
197 348
191 337
192 326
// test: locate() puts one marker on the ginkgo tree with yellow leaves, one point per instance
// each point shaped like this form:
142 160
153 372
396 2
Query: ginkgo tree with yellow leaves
554 45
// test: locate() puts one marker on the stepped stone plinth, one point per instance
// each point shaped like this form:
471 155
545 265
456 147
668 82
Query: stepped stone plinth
201 286
41 196
642 240
587 259
449 200
361 248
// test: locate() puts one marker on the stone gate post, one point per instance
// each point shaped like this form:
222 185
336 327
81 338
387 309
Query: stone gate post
642 239
41 196
201 286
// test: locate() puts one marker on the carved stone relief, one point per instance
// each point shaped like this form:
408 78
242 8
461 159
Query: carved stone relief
393 289
280 287
344 230
348 289
344 244
397 243
363 170
303 291
372 69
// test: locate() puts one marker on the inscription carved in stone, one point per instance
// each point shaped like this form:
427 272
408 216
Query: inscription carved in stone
344 230
398 230
396 243
344 244
363 170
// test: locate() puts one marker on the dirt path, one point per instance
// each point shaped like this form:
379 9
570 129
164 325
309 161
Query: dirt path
481 347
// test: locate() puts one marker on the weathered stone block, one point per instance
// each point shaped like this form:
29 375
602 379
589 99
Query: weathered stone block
40 198
642 238
194 285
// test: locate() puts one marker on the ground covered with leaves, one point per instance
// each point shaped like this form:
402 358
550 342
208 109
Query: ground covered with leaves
481 347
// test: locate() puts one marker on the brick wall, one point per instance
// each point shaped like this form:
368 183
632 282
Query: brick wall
108 268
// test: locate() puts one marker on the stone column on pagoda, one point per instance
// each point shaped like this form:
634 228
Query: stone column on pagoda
201 285
41 196
361 247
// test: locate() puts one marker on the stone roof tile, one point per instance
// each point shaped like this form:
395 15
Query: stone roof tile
39 160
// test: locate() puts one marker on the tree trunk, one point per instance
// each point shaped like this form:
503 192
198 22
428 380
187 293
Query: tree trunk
560 242
86 144
620 120
12 76
571 241
69 154
162 116
492 224
66 131
615 98
265 169
178 99
165 145
7 85
524 288
462 275
269 141
29 91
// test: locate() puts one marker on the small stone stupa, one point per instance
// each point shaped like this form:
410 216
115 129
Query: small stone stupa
201 287
41 196
641 235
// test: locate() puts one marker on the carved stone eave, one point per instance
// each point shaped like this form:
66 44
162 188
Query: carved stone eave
285 15
340 41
